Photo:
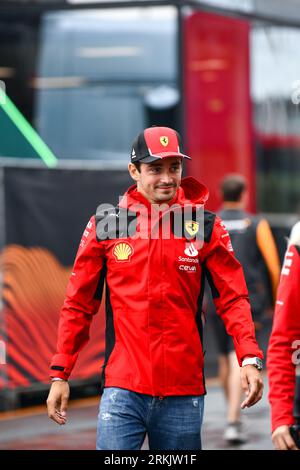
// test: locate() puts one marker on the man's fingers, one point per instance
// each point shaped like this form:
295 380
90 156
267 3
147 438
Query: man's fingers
291 443
54 414
284 442
279 443
282 439
255 394
288 440
244 384
246 388
64 405
248 403
50 407
57 402
253 390
59 418
255 401
258 393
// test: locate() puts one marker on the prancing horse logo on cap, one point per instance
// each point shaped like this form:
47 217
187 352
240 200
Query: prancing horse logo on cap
164 140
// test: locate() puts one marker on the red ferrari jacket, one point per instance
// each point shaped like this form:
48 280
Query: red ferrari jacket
284 345
154 291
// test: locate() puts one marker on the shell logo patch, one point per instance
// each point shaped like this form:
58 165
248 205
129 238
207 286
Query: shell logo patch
164 140
191 227
123 251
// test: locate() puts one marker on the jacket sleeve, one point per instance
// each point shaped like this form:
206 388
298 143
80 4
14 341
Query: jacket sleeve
83 298
226 278
284 345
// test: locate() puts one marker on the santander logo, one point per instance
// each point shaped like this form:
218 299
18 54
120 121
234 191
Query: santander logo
191 250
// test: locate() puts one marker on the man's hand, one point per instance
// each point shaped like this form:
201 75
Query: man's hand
57 401
252 385
282 439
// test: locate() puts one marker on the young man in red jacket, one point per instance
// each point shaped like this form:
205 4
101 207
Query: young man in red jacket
153 259
284 346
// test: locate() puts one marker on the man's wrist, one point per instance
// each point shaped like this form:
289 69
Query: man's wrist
56 379
253 361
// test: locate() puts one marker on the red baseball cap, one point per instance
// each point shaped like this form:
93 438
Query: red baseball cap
156 143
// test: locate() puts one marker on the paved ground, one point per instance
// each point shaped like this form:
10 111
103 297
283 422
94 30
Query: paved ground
256 422
31 428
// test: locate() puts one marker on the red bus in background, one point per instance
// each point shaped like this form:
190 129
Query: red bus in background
218 111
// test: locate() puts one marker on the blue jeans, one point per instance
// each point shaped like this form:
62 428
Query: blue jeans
172 423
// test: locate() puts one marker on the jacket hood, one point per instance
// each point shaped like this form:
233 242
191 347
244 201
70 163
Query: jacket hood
194 192
190 192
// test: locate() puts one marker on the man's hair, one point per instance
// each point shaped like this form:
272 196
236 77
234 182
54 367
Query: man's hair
232 187
138 166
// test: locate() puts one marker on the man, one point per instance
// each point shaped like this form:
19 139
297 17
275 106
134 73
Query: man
255 249
284 346
153 370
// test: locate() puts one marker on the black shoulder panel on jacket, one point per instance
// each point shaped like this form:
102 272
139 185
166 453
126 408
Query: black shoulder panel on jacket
100 285
115 223
209 221
214 290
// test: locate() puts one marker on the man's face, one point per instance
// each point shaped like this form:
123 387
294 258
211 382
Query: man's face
158 181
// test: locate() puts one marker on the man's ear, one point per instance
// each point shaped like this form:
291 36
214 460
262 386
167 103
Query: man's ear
133 171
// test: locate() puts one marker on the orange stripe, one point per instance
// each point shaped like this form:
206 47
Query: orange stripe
267 246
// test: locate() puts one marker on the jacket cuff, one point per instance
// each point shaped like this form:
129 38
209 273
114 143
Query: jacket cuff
61 365
287 421
244 351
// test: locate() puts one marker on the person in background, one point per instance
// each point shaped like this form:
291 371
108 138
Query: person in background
255 248
284 348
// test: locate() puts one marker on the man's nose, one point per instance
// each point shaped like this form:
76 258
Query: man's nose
166 177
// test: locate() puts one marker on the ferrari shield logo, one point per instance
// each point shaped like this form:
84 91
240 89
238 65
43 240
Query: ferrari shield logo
191 227
164 140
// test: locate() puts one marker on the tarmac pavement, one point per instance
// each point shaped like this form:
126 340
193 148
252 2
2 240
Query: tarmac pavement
32 429
256 423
